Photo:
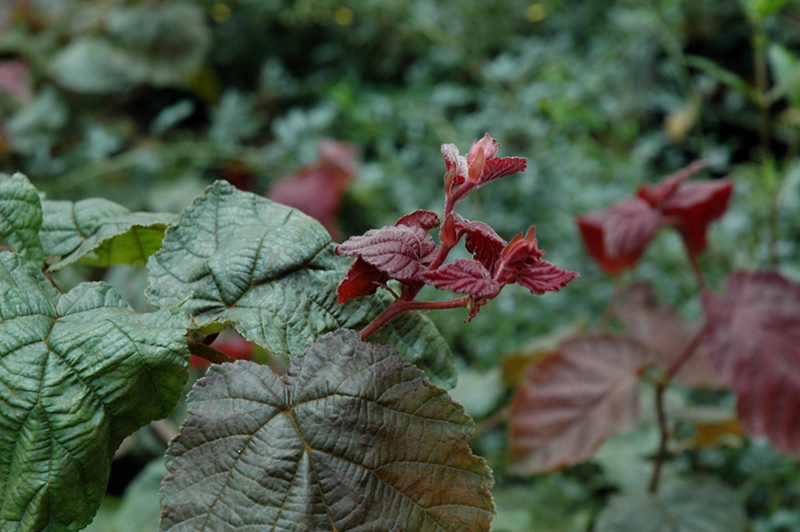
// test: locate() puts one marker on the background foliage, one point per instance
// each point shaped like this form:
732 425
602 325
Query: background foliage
146 103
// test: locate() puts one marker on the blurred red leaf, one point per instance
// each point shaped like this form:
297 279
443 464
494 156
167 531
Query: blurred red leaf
753 340
464 276
398 251
572 400
317 191
666 335
15 80
229 343
696 205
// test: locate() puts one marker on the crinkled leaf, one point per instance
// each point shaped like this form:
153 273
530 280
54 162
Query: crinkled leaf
398 251
572 400
362 279
541 276
79 372
665 334
464 276
694 504
21 217
501 167
482 241
754 342
99 232
425 220
271 271
351 438
696 205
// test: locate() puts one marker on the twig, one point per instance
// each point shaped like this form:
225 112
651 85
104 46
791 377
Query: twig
206 352
401 305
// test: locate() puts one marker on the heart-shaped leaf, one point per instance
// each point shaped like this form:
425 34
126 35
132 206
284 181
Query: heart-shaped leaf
78 372
21 217
271 271
352 438
572 400
99 232
688 505
753 340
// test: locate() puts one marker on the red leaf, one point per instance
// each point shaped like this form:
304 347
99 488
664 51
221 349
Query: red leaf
317 191
397 251
501 167
696 205
572 400
666 335
451 158
425 220
542 276
656 195
484 244
753 340
464 276
617 237
361 280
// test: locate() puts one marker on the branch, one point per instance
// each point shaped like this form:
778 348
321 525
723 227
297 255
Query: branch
402 305
215 356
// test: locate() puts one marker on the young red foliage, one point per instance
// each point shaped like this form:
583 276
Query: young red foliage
398 251
753 340
617 237
464 276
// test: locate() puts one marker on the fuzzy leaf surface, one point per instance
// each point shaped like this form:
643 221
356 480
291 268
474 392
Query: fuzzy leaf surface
699 504
572 400
351 438
271 271
99 232
398 251
21 217
79 371
754 343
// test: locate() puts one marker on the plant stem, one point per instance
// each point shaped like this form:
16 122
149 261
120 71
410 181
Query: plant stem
401 305
215 356
698 273
661 414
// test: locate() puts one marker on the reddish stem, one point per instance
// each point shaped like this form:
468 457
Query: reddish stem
401 305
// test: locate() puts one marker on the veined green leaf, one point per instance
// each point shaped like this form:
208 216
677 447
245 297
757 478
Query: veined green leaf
352 438
99 232
78 372
21 217
271 271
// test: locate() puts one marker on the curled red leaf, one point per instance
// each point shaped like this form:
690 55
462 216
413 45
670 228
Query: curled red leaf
425 220
398 251
482 242
696 205
464 276
362 279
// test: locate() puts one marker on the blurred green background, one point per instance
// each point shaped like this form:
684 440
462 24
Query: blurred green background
147 102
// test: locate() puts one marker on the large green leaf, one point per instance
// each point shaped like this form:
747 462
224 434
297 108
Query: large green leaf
699 504
352 438
21 217
271 271
99 232
78 373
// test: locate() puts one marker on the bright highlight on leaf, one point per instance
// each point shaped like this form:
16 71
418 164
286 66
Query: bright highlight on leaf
352 438
754 342
572 400
78 372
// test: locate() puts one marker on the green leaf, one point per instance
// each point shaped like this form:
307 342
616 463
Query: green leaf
99 232
758 10
697 504
786 70
79 372
140 510
271 271
351 438
722 75
21 217
92 65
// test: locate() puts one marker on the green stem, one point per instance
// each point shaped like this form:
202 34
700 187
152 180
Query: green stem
215 356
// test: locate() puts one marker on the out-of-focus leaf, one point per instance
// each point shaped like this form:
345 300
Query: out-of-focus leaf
80 371
99 232
92 65
722 75
666 335
693 504
140 510
554 504
786 68
572 400
15 80
271 271
696 205
21 217
351 438
758 10
754 342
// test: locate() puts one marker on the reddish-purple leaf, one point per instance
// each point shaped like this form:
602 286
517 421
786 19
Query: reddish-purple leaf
666 335
572 400
398 251
656 195
362 279
501 167
452 157
481 240
696 205
487 145
541 276
753 340
464 276
425 220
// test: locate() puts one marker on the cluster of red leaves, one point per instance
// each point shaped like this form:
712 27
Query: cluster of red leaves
617 237
407 253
